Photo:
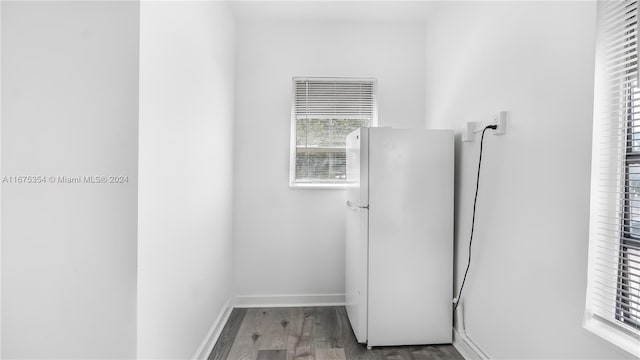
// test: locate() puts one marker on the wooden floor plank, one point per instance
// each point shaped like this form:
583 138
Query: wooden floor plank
272 355
326 326
336 354
276 329
228 335
436 352
397 353
303 350
451 352
418 353
295 331
322 351
309 333
353 350
248 340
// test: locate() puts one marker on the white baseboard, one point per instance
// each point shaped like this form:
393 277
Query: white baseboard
214 332
467 348
289 300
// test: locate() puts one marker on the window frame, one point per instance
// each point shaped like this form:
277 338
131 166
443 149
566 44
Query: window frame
317 185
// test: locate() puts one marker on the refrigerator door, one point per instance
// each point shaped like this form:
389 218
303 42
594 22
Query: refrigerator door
410 236
356 243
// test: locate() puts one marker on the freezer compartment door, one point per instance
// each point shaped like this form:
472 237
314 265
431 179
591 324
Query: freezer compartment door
357 219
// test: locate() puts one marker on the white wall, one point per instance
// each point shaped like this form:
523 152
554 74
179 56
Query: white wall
185 190
525 291
69 108
292 241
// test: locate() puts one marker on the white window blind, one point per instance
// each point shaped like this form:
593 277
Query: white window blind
613 290
325 110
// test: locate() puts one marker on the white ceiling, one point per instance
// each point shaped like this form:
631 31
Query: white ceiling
332 10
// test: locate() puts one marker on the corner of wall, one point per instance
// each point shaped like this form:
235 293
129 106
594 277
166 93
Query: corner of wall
461 341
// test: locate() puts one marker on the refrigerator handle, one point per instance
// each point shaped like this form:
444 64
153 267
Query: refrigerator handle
353 206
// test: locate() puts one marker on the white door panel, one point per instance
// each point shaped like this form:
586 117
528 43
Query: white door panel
410 237
356 247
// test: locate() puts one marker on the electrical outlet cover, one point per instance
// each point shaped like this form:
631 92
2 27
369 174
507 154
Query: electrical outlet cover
468 133
501 121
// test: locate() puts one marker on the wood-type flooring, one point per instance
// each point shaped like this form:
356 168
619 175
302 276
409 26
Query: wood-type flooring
307 333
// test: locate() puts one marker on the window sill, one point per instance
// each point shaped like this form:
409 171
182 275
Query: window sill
316 186
613 334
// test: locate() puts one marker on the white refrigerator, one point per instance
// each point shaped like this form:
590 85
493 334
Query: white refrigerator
399 236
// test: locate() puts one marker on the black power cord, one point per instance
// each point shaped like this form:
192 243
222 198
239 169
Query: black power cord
473 217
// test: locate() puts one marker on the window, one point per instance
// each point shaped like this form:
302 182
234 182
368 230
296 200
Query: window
613 289
325 111
628 292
